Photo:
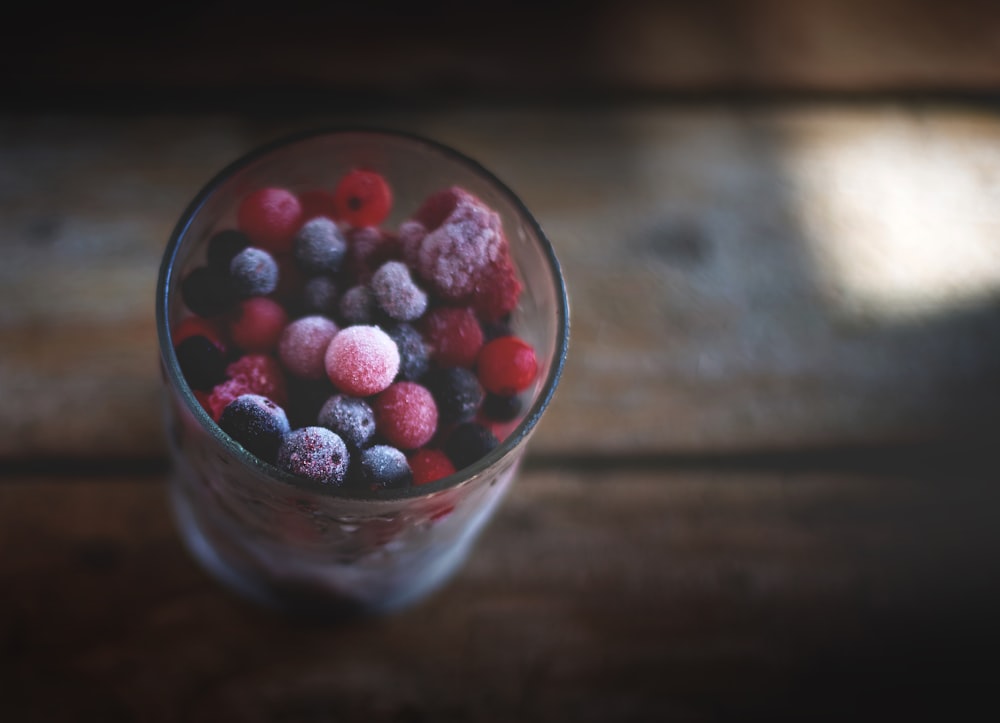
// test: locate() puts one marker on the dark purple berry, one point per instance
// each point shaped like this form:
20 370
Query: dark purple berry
468 443
201 361
502 408
223 246
396 293
357 306
315 453
254 272
384 467
208 291
350 417
414 357
457 393
319 247
257 423
495 329
319 296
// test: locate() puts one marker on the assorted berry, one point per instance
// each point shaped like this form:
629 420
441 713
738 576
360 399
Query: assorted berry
348 353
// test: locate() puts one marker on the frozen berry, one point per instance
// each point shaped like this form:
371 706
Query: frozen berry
362 198
319 246
197 326
439 205
257 423
350 417
411 234
453 335
429 464
357 305
250 374
258 324
270 217
497 291
413 354
201 361
405 415
207 291
254 272
223 246
302 346
507 365
369 248
396 293
315 453
320 295
385 467
501 408
362 360
469 442
457 393
317 202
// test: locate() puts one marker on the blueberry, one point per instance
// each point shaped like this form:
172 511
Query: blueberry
319 295
201 362
350 417
457 393
413 353
357 306
469 442
257 423
502 408
254 272
207 291
319 247
315 453
396 293
384 467
223 246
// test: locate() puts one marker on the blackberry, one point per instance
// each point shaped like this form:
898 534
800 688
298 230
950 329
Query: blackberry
414 359
469 442
457 393
201 361
257 423
383 467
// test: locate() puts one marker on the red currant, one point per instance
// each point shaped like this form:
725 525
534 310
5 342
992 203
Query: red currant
362 198
506 365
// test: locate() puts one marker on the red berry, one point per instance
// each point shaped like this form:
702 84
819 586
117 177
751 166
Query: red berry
507 365
497 295
453 335
429 464
270 217
258 325
362 360
317 202
250 374
362 198
405 415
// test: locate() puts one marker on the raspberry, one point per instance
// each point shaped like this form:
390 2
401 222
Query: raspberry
223 246
270 217
396 294
385 467
496 294
317 202
258 325
413 356
429 464
254 272
319 295
302 346
456 392
260 374
315 453
438 206
406 415
319 247
453 335
362 360
351 418
201 361
357 305
362 198
411 235
469 442
507 365
257 423
207 291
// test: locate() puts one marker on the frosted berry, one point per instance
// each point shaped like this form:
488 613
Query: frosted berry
453 335
316 454
257 423
351 418
497 292
319 247
320 295
201 361
302 346
396 293
254 272
362 198
439 205
469 442
270 217
258 324
385 467
405 415
413 353
207 291
250 374
362 360
411 235
457 393
507 365
223 246
429 464
357 305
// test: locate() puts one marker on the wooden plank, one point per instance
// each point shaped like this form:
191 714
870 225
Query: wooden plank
592 596
750 278
444 48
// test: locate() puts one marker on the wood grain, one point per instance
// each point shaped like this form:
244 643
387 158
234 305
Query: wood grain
592 596
741 278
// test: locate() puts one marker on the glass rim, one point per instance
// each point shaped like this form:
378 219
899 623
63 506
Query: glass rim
506 447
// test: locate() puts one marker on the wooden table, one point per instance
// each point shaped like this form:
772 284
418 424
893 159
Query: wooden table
765 489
